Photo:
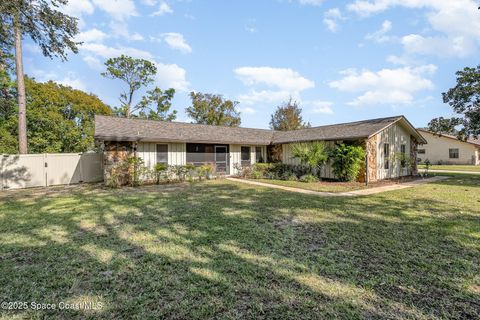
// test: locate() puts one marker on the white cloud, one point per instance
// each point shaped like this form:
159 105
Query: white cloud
387 86
71 81
381 35
176 41
104 51
282 78
441 46
149 2
455 23
163 9
92 35
78 7
93 62
268 96
120 30
247 110
331 17
117 9
172 76
321 106
282 83
311 2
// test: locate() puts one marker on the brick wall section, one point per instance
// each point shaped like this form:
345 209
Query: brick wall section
115 153
371 149
413 154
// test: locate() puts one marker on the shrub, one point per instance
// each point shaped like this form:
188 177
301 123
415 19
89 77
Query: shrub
260 169
308 178
290 176
311 154
243 171
347 161
160 172
256 175
205 171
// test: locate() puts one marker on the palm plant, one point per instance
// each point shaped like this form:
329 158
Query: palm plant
314 155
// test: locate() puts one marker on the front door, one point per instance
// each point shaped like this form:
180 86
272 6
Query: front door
221 159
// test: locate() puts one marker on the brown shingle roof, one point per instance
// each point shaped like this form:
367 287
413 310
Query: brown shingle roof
342 131
122 129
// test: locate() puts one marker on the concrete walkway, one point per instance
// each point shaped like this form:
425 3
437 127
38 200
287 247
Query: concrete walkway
355 193
454 171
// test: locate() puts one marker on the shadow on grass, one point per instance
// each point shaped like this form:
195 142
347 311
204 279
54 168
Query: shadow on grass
226 250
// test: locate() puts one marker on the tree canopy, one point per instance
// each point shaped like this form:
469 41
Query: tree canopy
288 116
213 109
59 119
464 98
139 73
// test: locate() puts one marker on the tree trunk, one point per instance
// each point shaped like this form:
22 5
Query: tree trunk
22 110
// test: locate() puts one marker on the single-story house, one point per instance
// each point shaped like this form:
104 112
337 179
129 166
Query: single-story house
447 149
177 143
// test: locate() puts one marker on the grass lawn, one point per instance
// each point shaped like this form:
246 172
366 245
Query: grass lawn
451 167
220 249
316 186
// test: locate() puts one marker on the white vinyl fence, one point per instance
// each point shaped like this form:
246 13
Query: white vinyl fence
41 170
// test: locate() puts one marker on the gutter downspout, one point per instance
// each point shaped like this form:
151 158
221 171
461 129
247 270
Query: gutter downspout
366 165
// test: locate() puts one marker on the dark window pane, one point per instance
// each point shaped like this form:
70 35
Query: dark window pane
386 155
162 153
258 154
421 151
245 153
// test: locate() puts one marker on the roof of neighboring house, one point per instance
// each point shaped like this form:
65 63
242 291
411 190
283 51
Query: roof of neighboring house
470 140
123 129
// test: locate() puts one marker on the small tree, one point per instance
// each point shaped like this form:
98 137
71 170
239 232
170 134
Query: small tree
135 72
311 154
213 109
162 101
347 161
288 116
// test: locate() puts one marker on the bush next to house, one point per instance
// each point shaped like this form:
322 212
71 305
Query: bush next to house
347 161
313 155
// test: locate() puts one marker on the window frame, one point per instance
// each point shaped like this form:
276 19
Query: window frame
257 158
157 152
403 151
245 161
451 151
386 156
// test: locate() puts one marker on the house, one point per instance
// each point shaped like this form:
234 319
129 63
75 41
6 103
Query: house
176 143
447 149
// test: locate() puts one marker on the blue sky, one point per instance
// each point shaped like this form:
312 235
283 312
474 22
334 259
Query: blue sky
342 60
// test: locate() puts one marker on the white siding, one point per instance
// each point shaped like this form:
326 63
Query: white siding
287 158
236 156
148 152
436 150
395 135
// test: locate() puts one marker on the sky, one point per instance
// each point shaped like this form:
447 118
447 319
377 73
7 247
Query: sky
341 60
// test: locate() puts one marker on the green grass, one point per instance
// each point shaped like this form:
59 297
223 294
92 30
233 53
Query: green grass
317 186
452 167
222 249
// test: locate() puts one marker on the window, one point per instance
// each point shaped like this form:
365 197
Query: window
421 151
245 156
453 153
258 154
403 151
162 153
386 155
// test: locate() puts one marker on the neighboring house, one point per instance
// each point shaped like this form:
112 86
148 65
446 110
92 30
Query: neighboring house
176 143
447 149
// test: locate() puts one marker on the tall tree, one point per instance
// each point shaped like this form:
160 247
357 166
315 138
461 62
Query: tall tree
136 73
52 30
60 119
288 116
213 109
464 98
162 100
